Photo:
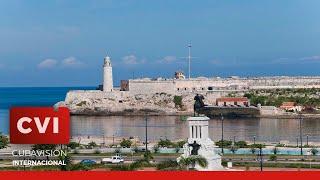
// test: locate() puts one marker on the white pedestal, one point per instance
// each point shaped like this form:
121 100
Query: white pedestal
198 131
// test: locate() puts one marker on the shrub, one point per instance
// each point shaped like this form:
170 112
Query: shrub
314 151
92 144
225 143
165 143
168 165
4 141
181 143
273 157
73 145
126 143
79 167
241 144
257 146
177 101
280 145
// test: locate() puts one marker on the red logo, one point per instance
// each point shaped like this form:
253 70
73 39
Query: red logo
39 125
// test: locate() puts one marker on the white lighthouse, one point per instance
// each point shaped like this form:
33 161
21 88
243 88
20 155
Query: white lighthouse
107 75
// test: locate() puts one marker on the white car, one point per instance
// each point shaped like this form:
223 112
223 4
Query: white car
112 160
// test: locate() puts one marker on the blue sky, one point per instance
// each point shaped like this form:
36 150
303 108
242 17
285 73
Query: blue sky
62 43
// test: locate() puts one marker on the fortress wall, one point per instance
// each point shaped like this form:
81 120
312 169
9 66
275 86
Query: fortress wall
79 95
175 86
285 81
151 87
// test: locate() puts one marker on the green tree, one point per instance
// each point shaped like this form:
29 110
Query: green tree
314 151
168 165
92 144
147 156
191 161
180 144
273 157
241 144
225 143
126 143
165 143
73 145
4 141
177 101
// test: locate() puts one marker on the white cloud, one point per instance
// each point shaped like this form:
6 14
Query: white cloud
131 59
72 62
48 64
316 58
168 59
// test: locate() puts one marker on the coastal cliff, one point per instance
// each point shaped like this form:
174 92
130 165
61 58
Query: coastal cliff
123 103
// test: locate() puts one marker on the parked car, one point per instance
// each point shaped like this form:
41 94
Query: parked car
88 162
113 160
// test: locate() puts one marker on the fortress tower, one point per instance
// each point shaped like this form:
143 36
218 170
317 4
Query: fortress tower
107 75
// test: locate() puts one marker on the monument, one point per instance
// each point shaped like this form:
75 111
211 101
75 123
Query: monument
200 144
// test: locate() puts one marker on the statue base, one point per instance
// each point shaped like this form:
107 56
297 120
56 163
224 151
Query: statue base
207 150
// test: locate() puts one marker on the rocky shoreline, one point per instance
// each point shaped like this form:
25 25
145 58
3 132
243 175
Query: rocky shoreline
118 103
122 103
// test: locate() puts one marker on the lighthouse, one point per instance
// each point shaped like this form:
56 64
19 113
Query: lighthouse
107 75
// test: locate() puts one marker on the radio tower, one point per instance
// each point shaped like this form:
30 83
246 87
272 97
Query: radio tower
189 59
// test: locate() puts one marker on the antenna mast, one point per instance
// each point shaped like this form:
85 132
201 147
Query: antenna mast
189 59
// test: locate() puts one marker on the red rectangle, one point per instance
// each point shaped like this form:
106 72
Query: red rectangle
39 125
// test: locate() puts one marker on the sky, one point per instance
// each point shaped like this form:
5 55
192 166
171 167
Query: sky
63 43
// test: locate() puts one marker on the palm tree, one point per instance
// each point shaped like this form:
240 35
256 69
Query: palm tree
185 163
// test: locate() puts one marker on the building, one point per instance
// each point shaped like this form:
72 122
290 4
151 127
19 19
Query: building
107 75
232 101
179 75
290 106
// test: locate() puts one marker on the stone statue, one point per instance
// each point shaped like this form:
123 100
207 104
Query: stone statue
195 148
198 103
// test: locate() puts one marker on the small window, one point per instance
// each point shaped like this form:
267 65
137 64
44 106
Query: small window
210 88
185 88
178 89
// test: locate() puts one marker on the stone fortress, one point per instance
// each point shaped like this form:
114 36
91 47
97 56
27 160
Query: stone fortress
156 96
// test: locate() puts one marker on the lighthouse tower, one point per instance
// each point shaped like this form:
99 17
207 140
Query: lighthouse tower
107 75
